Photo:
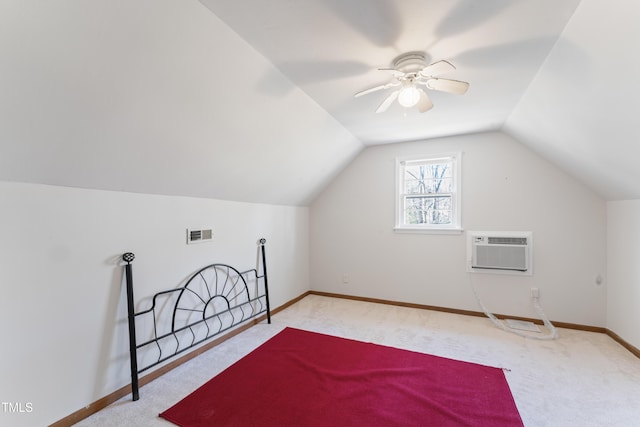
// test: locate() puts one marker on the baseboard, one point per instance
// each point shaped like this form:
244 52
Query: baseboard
121 392
102 403
635 351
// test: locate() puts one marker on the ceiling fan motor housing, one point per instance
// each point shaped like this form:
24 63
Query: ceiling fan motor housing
410 62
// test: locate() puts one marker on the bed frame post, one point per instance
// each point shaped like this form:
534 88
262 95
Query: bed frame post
264 273
128 257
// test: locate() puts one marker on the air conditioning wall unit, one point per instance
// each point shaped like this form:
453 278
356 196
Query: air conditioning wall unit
500 252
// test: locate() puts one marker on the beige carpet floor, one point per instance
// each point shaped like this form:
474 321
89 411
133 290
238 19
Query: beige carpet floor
580 379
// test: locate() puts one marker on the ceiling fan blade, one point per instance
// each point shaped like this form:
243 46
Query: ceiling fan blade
447 85
388 101
375 89
439 67
424 104
396 73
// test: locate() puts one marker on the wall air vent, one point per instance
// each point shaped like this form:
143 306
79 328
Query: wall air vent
199 235
500 252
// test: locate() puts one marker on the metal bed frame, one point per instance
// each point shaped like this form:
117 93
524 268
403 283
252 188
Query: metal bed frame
214 299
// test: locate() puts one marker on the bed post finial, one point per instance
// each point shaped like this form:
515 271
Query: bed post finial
262 241
128 257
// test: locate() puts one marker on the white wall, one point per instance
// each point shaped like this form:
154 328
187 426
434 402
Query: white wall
505 187
623 265
62 308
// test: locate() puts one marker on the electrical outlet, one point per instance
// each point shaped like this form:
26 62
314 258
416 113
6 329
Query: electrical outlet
535 293
345 279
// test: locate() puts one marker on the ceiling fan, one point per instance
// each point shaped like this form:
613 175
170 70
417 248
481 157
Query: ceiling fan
410 71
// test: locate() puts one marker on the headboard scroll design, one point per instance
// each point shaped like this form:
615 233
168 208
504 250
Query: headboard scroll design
214 299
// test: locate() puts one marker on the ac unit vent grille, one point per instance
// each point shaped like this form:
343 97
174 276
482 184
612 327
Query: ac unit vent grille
507 240
501 257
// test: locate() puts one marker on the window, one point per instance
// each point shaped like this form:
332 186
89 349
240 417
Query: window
428 194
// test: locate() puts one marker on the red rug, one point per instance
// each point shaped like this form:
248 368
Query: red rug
301 378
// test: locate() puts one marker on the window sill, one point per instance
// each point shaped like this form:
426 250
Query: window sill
422 230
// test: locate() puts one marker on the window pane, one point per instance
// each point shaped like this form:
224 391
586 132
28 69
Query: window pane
427 193
428 210
428 178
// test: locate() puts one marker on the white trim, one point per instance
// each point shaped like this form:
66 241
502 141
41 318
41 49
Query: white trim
419 230
456 200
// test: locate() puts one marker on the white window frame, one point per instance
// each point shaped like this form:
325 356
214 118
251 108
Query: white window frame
455 227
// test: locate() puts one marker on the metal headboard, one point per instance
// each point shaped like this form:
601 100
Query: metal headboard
215 299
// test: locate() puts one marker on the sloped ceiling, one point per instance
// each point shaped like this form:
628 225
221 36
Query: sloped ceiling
581 110
253 100
155 97
332 49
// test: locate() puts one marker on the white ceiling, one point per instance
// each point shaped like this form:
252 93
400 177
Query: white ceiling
252 100
331 49
560 75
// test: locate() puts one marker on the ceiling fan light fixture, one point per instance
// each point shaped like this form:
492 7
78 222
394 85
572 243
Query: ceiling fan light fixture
410 71
409 96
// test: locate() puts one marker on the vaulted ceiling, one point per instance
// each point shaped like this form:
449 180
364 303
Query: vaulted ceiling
332 49
253 100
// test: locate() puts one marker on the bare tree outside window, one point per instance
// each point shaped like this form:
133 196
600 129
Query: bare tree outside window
428 188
